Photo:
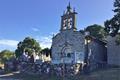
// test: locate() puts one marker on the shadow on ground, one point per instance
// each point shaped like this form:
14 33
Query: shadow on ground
106 74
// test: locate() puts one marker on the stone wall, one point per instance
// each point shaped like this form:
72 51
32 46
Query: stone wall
113 51
97 54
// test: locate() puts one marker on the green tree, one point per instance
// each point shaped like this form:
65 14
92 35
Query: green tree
112 26
46 51
97 31
6 55
28 44
117 7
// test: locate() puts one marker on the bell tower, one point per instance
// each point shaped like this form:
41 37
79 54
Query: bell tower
68 20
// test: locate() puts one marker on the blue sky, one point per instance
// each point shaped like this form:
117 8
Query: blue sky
40 19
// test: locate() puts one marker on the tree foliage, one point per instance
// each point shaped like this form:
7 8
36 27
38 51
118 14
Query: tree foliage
117 6
112 26
28 44
6 55
97 31
46 51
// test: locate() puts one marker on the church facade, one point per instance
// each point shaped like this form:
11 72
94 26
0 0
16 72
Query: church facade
68 44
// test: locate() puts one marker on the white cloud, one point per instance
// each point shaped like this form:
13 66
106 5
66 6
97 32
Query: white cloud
35 29
45 41
8 44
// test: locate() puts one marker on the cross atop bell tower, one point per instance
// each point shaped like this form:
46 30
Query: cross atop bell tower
68 20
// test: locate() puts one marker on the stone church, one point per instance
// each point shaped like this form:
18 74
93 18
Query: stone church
69 42
69 45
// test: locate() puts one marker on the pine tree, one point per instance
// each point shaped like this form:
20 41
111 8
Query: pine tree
117 6
112 26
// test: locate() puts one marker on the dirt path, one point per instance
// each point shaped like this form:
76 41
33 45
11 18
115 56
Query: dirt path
2 77
9 79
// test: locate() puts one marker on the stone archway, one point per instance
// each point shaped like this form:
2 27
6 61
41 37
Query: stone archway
66 51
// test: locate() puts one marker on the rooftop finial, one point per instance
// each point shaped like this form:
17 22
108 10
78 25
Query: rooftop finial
69 7
69 4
